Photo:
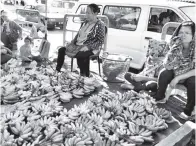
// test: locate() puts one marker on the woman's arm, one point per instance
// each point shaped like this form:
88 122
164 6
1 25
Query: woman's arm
186 75
99 38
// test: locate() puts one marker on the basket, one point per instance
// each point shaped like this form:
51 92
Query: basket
115 66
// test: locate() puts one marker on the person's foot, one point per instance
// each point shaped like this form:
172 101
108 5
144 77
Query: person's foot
127 86
162 101
183 116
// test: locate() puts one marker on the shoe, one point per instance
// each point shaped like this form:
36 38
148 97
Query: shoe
162 101
183 116
127 86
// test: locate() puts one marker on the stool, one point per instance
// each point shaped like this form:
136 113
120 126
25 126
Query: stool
96 56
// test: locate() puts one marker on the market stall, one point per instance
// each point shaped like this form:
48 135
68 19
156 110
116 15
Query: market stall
40 108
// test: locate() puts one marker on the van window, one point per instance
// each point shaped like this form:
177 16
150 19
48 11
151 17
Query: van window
125 18
159 17
82 9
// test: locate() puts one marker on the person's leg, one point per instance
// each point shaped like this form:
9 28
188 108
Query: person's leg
84 62
164 78
5 58
190 84
60 58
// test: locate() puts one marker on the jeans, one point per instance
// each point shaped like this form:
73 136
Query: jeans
83 61
164 79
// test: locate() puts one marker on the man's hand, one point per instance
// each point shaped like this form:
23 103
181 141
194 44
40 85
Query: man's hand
174 82
84 49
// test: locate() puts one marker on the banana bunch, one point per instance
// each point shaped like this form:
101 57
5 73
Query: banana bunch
78 93
107 142
155 123
140 109
42 109
96 99
25 94
105 114
113 106
129 114
65 96
12 117
82 109
85 121
162 113
20 106
72 76
62 119
110 125
47 122
81 138
97 119
121 128
36 128
64 112
140 121
30 115
55 106
66 130
105 94
22 130
54 136
6 139
77 127
73 115
94 136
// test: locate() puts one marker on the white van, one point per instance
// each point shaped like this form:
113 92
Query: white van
133 23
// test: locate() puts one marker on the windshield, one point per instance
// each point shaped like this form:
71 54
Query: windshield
190 12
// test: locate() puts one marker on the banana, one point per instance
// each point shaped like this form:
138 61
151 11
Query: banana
137 139
142 130
146 133
25 136
160 122
58 138
27 130
14 130
148 139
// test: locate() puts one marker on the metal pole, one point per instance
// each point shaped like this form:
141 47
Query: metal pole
46 14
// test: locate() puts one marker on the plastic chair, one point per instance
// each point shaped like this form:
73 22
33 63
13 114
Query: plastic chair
95 56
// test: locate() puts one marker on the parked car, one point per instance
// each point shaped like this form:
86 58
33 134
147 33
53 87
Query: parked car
8 2
54 18
131 24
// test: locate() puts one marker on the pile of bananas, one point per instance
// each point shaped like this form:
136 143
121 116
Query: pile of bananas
42 82
105 119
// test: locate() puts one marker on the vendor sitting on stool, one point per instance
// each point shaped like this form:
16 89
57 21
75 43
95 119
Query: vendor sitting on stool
89 38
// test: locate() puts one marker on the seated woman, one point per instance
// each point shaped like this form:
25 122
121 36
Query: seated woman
179 66
146 80
90 38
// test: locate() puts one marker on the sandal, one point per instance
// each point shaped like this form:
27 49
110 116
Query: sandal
127 86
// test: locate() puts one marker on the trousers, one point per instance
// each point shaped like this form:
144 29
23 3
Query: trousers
164 79
83 61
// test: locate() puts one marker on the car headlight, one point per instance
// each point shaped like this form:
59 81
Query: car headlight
51 20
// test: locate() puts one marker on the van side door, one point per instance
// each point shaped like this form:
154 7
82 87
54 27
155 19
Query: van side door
125 31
